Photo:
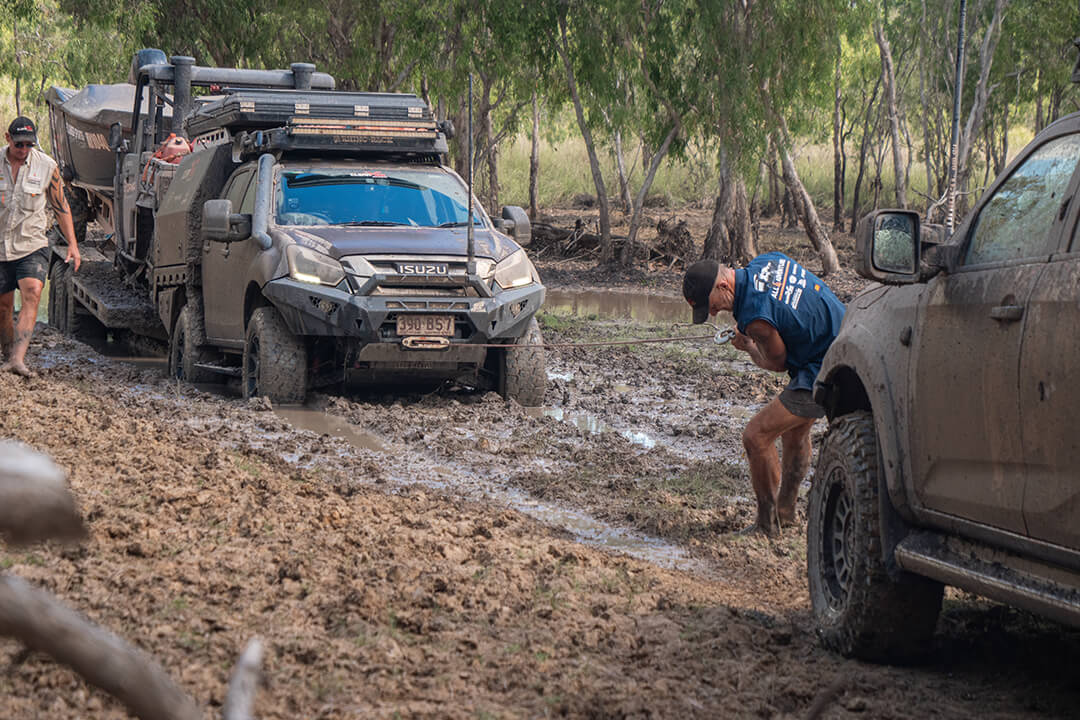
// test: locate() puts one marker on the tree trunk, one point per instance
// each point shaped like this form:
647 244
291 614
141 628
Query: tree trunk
819 237
624 181
717 242
740 231
973 125
626 256
888 78
606 250
534 162
1039 122
863 145
838 181
492 166
773 206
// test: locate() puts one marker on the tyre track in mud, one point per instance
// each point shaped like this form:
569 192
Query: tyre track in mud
212 520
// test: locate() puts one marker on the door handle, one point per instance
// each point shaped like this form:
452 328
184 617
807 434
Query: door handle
1007 313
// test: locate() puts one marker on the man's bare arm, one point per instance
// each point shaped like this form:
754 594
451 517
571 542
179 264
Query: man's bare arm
767 348
59 204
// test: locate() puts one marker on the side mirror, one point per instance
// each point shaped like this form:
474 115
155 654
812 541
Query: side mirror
221 224
515 223
116 137
888 246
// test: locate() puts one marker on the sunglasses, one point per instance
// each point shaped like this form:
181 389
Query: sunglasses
22 145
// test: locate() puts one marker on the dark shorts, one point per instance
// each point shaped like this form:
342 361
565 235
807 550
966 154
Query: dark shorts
35 265
801 403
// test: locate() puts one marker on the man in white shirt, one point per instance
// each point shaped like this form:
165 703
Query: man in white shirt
29 181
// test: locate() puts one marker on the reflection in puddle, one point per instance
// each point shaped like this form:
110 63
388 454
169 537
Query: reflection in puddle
592 425
324 424
610 304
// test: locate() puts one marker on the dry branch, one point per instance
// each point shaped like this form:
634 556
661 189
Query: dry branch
35 503
43 623
240 699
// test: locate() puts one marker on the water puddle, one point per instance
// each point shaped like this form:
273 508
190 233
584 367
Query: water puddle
642 307
592 424
322 423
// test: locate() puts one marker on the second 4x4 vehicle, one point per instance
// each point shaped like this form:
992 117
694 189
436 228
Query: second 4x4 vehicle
951 391
304 237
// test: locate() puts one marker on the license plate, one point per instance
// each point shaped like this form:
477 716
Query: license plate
438 325
423 269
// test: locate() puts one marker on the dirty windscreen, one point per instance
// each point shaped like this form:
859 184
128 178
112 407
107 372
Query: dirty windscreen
405 197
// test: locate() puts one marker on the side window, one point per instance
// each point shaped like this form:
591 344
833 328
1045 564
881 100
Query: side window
236 189
1017 220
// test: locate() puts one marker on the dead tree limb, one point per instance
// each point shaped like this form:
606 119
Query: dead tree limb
44 624
35 503
244 683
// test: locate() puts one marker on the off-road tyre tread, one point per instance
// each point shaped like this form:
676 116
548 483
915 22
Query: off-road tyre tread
185 352
58 296
283 362
81 213
523 372
887 617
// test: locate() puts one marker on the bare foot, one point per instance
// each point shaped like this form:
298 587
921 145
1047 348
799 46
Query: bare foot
18 369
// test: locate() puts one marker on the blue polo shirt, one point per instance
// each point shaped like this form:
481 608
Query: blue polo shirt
805 312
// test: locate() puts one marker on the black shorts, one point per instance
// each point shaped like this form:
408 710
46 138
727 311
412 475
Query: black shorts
35 265
801 403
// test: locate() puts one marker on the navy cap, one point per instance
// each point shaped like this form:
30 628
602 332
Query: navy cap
697 285
22 129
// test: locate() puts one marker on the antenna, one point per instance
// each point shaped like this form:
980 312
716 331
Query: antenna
470 268
950 211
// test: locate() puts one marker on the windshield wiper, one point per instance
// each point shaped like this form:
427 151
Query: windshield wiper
456 223
370 223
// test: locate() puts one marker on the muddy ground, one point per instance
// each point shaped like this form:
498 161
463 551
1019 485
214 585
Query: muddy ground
455 555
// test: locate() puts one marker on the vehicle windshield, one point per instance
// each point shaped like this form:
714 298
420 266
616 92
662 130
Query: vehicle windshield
387 198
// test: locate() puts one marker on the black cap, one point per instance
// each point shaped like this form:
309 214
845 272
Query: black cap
697 285
22 129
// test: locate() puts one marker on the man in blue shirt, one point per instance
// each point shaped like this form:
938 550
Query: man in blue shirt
786 318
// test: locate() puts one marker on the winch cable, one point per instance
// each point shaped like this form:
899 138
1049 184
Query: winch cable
722 335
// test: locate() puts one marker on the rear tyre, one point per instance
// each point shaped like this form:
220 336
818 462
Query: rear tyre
275 360
522 371
58 296
860 609
185 353
79 202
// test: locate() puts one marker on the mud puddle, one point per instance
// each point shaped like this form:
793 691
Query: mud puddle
319 422
592 424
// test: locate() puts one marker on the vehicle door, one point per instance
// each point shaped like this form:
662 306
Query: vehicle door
1050 392
968 458
225 268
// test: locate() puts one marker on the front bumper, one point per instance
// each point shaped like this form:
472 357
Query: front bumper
368 323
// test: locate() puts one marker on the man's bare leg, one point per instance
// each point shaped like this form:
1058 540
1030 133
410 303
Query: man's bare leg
795 462
30 291
759 440
7 324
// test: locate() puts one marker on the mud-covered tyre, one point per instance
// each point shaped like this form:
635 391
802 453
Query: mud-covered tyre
275 360
860 608
79 203
58 296
522 371
185 353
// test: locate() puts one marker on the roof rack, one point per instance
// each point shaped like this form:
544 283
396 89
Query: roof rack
335 136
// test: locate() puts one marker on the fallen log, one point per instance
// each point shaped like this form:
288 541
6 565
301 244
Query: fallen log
35 502
43 623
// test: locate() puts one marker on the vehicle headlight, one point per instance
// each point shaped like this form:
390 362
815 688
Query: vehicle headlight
515 271
310 266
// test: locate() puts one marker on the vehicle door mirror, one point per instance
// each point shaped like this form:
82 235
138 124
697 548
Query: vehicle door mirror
116 137
515 223
221 224
888 246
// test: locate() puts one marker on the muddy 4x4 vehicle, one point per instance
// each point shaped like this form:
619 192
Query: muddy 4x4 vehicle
952 457
305 238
